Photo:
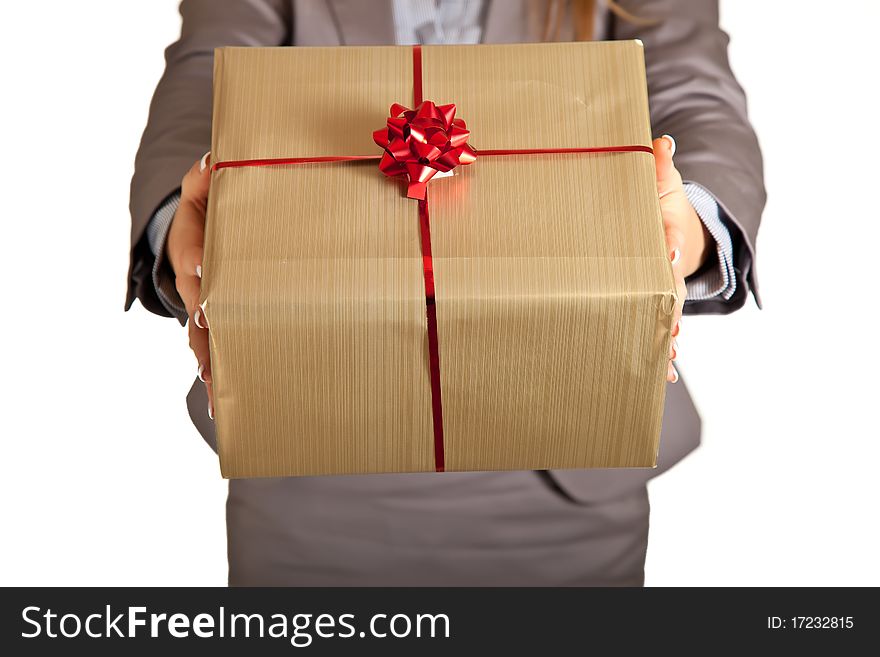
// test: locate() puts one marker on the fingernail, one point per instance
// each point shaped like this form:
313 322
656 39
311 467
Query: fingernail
675 256
676 329
674 375
674 349
204 161
199 271
201 370
211 409
197 318
671 143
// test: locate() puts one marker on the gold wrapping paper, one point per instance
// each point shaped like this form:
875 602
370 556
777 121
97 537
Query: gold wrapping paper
554 289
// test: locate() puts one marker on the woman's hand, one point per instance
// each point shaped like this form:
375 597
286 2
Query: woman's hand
186 239
687 239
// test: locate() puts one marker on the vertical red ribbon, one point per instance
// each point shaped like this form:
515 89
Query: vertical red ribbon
417 76
430 300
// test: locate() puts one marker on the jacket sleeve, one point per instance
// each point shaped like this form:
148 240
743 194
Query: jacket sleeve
695 97
178 130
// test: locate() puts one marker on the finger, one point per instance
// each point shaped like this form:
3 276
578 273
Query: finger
209 386
675 242
198 342
189 288
671 373
195 184
681 294
186 238
668 178
185 251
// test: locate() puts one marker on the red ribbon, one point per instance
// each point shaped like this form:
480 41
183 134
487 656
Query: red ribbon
419 143
433 342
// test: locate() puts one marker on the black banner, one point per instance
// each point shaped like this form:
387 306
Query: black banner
433 621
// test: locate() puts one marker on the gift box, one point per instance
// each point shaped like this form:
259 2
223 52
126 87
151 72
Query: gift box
476 279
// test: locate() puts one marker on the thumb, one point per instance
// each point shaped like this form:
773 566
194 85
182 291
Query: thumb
195 184
668 178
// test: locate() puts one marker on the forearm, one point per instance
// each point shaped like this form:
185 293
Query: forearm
178 130
695 97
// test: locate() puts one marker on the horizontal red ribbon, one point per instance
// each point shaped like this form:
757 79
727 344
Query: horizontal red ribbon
267 162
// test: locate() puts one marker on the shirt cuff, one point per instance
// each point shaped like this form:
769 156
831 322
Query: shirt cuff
163 277
720 280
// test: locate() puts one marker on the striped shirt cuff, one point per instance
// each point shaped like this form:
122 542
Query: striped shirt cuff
719 281
163 277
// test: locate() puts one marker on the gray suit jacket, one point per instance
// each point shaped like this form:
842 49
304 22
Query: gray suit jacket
693 96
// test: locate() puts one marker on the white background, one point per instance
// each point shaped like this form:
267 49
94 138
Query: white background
106 482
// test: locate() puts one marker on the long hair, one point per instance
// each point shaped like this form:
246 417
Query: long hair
582 13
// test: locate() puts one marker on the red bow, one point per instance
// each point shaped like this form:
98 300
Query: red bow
422 142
